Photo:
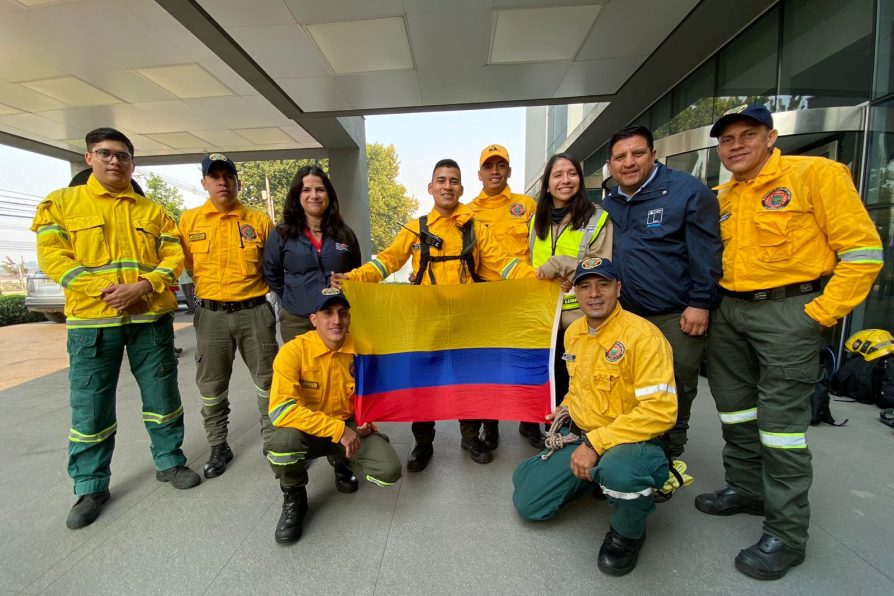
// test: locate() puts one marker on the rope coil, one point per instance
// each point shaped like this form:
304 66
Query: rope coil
555 440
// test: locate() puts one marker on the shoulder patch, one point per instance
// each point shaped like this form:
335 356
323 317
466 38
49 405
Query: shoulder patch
777 199
247 232
615 353
517 210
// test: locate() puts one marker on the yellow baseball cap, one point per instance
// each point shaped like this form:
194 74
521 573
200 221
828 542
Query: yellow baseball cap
493 151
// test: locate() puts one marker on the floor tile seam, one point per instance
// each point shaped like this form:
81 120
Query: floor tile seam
852 551
390 526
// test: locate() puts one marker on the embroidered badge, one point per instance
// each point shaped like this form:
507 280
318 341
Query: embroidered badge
330 291
615 353
197 236
591 263
341 246
736 110
218 157
309 384
654 218
516 209
247 232
777 199
569 357
726 216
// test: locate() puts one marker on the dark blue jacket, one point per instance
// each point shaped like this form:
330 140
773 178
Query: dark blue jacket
667 244
297 272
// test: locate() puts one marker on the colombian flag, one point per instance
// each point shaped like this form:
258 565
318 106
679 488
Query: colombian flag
450 352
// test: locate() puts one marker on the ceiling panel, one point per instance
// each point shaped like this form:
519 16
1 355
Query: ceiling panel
26 99
525 35
466 33
240 112
230 13
177 140
5 110
598 77
374 90
41 126
265 136
120 116
129 86
221 140
300 136
317 94
283 51
72 91
19 66
496 82
314 11
175 116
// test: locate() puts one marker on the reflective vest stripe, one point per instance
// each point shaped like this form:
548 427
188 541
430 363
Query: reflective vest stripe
79 437
378 482
784 440
738 416
210 401
653 389
285 459
866 254
279 411
162 418
627 496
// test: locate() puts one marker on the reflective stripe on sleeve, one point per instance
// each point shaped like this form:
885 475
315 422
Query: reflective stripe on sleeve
210 401
52 229
652 389
383 271
285 459
784 440
162 418
279 411
78 437
507 270
627 496
864 254
739 416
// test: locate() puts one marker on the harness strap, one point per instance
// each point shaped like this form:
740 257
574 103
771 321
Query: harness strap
466 255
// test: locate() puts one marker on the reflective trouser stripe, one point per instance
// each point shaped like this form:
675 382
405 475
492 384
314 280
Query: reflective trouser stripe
262 392
211 401
738 416
78 437
627 496
784 440
378 482
285 459
162 418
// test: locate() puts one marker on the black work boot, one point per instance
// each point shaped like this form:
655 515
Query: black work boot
770 558
86 509
476 448
345 480
419 457
179 476
618 554
726 501
491 434
221 455
531 431
294 508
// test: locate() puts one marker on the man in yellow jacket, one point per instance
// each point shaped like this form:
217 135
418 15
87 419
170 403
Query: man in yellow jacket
312 410
115 253
447 247
223 241
621 398
506 214
787 223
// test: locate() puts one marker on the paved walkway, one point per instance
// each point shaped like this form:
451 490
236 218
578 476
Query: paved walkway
448 530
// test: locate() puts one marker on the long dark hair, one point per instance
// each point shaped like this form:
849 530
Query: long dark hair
294 220
581 206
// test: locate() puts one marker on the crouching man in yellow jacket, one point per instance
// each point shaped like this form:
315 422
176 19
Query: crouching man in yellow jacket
621 398
312 411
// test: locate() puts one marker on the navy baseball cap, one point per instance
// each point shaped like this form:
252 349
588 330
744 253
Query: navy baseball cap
328 296
214 158
595 266
756 111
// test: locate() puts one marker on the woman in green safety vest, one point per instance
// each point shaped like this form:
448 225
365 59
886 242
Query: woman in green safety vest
567 223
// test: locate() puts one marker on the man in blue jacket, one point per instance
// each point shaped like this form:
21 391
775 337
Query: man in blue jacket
667 248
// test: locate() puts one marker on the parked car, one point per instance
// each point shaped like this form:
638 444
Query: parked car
46 296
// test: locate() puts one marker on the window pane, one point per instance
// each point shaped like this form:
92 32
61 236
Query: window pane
693 99
660 117
691 162
884 72
880 171
878 310
747 66
826 53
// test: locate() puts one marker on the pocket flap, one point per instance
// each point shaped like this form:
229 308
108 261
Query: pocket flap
84 222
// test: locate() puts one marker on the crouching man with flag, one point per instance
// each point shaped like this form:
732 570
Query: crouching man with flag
312 411
621 398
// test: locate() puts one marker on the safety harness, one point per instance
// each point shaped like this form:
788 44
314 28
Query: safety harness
466 256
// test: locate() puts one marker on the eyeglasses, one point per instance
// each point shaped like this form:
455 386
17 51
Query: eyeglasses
106 155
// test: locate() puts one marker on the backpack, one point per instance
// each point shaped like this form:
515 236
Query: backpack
466 255
863 380
819 401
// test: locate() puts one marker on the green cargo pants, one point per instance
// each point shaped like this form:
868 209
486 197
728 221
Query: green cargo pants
628 475
290 449
688 352
218 335
291 326
95 356
763 363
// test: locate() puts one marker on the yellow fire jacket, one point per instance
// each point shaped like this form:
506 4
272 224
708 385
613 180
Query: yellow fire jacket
800 219
313 387
622 380
491 262
506 215
225 251
89 239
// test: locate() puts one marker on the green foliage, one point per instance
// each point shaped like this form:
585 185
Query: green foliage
164 194
254 174
389 205
13 311
17 269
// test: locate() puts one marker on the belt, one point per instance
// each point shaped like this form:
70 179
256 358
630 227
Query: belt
789 291
231 307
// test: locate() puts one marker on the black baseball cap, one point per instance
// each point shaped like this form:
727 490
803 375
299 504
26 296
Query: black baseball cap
328 296
214 158
595 266
756 111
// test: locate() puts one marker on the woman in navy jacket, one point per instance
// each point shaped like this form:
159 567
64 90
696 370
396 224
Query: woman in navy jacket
305 248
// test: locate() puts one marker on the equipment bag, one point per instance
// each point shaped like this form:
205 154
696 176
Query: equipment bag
862 380
819 401
886 399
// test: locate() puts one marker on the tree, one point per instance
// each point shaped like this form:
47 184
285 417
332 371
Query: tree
165 195
389 205
253 177
17 269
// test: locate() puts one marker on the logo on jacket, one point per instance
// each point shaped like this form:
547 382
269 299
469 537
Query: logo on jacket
615 353
654 217
516 210
341 246
777 199
247 232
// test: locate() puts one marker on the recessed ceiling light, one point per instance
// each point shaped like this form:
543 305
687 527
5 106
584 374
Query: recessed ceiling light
363 46
541 34
186 81
72 91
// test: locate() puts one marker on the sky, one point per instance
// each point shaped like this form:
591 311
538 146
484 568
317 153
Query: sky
421 139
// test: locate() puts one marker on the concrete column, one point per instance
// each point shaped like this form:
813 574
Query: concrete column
348 172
